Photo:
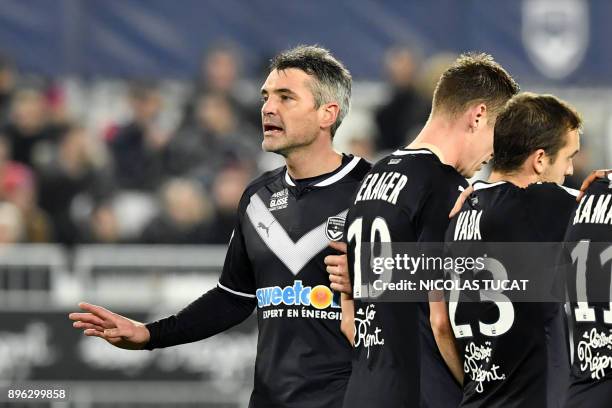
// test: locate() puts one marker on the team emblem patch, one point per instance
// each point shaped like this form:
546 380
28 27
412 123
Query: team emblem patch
334 228
556 35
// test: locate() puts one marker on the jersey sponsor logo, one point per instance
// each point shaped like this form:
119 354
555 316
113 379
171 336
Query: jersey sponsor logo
265 228
479 366
366 333
279 200
395 161
334 228
319 297
594 353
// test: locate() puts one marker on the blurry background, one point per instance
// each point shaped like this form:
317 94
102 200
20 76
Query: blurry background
129 129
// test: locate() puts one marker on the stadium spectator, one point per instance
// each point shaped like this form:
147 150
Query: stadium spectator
217 138
8 77
226 192
220 72
357 135
185 215
102 226
406 111
29 130
17 186
77 168
11 224
138 146
55 96
432 68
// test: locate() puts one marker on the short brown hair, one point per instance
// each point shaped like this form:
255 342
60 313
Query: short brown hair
473 78
530 122
332 81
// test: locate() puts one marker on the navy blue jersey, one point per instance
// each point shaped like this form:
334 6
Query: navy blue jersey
589 237
515 354
276 257
406 197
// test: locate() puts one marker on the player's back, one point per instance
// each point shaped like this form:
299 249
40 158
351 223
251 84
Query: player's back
406 197
589 287
515 352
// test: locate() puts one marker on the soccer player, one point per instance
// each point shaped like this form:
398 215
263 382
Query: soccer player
286 218
588 236
406 197
516 353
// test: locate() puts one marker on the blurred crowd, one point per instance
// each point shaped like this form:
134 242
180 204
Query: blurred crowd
131 182
136 181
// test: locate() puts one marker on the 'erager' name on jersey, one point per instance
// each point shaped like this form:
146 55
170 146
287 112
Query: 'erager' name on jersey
601 213
468 226
382 186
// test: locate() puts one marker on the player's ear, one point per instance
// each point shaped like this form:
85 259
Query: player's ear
328 113
477 116
538 161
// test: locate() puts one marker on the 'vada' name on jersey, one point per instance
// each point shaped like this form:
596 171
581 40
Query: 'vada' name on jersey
382 186
468 226
601 213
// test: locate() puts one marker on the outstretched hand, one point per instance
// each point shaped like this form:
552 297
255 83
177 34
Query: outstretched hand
116 329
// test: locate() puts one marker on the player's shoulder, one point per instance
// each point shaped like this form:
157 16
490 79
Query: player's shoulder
361 169
353 171
423 167
263 180
551 206
600 186
551 191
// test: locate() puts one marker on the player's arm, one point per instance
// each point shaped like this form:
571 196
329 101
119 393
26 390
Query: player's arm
337 267
595 174
347 324
115 329
217 310
460 200
212 313
230 303
433 221
443 333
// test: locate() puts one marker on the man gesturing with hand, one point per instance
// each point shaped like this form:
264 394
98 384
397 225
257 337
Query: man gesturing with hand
117 330
274 262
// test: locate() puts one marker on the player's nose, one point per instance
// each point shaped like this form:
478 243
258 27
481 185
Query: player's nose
269 107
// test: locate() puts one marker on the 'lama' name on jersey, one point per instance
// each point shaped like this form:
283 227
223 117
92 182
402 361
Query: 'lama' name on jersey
601 213
382 186
468 225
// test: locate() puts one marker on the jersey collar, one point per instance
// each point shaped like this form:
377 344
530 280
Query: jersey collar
405 151
337 176
481 185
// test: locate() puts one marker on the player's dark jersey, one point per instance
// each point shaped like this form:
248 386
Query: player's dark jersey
515 353
276 256
406 197
589 238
